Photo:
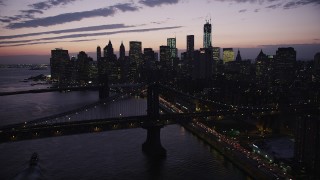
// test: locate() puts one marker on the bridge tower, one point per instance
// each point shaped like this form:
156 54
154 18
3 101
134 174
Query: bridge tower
102 78
153 101
104 87
152 146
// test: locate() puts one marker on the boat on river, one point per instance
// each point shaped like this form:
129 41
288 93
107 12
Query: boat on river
34 159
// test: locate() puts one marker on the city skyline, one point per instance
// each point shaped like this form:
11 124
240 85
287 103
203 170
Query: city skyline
34 28
240 77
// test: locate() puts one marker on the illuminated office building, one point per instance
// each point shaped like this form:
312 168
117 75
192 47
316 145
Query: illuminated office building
165 56
228 55
171 42
135 52
216 53
262 65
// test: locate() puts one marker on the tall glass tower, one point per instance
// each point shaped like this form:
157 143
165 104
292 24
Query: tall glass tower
171 42
207 34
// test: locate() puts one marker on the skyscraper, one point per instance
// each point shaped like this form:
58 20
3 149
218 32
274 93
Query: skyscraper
98 53
316 66
190 46
262 66
83 67
148 54
122 52
135 52
203 64
307 144
148 57
285 60
101 65
228 55
286 54
216 53
171 42
109 65
58 62
207 35
108 52
216 59
317 62
238 58
165 56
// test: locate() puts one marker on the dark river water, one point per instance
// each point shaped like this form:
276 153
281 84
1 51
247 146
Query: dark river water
104 155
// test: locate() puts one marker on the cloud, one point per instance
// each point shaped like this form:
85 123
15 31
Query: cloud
82 40
161 22
7 19
153 3
242 10
75 16
40 5
126 7
46 42
290 5
29 13
1 3
295 4
256 10
247 1
44 5
278 3
87 35
82 29
36 8
32 11
23 15
274 6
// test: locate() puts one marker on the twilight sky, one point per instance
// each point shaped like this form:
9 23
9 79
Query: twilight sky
31 28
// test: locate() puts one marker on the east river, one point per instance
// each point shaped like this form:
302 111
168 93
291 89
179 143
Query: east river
105 155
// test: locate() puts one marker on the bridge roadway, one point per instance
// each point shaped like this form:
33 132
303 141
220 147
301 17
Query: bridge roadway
44 128
49 119
218 104
72 88
22 132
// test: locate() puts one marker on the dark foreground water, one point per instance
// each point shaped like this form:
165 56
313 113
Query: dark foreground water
117 155
105 155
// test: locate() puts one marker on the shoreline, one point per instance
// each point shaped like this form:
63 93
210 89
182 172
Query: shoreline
252 171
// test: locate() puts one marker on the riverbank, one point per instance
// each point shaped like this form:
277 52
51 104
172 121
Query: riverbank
252 170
